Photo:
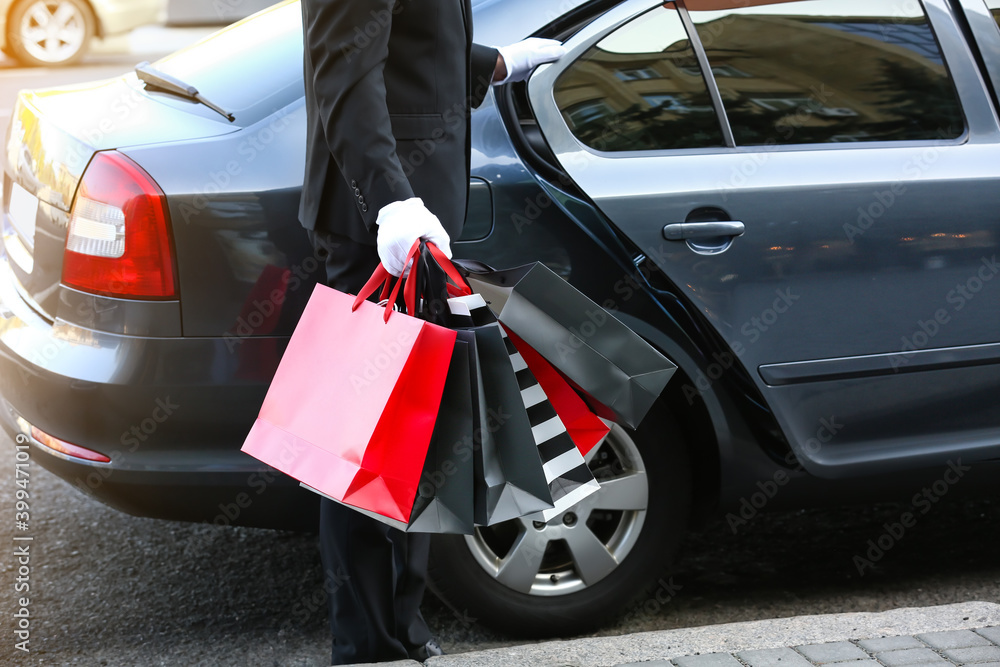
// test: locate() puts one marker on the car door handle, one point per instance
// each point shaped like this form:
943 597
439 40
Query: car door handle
686 231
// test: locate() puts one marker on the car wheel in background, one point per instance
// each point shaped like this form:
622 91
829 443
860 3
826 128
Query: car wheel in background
567 576
50 32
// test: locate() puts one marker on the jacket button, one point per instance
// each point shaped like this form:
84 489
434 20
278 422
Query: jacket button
354 184
364 208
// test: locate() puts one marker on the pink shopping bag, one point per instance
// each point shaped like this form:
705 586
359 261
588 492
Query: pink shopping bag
353 404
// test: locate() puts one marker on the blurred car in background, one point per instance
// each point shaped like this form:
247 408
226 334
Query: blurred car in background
218 12
58 32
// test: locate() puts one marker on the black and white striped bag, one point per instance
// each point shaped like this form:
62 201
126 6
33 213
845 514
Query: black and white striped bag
566 471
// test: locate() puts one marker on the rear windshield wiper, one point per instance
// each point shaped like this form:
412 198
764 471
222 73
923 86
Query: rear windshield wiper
154 78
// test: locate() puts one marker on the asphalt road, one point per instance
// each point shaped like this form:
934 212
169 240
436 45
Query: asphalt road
106 588
111 589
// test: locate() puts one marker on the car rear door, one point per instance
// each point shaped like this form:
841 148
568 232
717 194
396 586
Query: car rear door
819 178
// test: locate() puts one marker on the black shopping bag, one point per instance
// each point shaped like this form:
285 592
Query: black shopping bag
607 361
444 502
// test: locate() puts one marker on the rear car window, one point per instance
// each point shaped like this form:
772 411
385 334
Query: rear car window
251 68
640 88
824 71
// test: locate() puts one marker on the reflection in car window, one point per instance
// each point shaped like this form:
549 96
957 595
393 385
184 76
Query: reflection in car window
640 88
820 71
994 7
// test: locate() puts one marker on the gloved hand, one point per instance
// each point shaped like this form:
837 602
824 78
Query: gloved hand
399 225
522 57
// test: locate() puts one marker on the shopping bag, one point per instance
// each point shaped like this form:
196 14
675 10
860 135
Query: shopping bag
617 371
585 428
509 479
444 500
354 402
566 472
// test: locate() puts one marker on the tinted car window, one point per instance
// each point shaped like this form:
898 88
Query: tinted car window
830 71
640 88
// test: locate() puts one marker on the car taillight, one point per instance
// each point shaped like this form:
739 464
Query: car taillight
119 235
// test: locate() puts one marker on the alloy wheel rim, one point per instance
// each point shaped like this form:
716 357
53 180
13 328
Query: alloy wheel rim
53 31
584 544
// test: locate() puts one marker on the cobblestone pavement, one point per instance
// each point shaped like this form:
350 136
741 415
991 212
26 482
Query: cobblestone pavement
979 647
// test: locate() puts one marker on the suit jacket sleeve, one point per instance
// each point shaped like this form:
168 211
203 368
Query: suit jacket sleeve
484 63
350 92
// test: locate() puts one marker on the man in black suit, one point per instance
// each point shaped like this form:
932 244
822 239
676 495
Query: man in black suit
389 87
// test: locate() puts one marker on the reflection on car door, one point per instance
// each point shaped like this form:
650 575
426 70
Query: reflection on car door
856 144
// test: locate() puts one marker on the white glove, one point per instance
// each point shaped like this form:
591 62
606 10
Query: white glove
399 225
522 57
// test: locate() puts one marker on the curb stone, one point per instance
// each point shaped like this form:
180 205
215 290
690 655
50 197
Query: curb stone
900 627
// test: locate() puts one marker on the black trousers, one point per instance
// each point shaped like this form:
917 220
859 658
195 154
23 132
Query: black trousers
375 574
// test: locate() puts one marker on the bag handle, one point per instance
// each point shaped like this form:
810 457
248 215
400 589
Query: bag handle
382 278
458 286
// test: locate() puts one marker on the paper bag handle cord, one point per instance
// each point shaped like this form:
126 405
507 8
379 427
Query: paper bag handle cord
459 288
382 277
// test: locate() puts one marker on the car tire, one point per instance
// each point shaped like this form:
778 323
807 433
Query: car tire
487 578
44 33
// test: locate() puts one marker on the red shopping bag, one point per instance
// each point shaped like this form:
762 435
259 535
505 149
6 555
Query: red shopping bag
584 427
352 407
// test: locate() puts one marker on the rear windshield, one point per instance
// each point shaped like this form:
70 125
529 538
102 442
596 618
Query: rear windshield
251 68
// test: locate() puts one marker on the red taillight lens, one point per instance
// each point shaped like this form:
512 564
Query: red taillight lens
119 233
66 448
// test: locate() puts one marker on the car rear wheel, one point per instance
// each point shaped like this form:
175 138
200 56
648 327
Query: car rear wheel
50 32
569 575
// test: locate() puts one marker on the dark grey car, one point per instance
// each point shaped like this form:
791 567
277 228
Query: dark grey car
796 202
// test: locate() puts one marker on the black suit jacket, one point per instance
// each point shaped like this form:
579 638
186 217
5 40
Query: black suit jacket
389 87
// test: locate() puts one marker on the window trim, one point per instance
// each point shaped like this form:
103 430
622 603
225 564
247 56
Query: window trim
707 74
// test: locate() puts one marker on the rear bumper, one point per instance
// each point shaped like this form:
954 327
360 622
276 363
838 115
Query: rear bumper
170 413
